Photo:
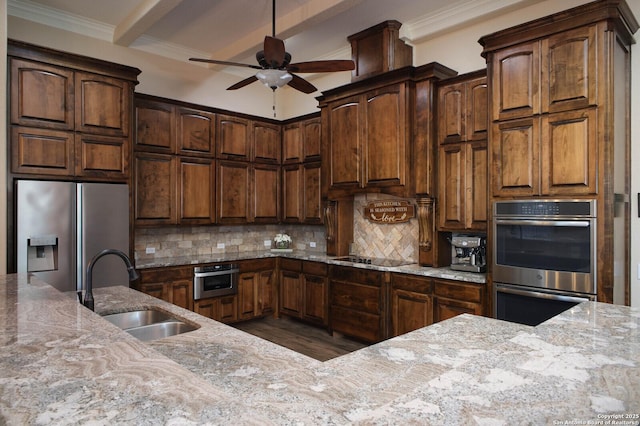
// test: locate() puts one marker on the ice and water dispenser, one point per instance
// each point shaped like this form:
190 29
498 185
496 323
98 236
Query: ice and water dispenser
42 253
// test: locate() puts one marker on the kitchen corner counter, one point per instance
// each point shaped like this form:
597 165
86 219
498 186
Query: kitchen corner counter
61 363
413 269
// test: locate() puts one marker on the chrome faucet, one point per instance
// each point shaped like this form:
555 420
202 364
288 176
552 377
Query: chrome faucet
88 296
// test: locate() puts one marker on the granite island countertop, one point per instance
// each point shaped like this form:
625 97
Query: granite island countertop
413 268
61 363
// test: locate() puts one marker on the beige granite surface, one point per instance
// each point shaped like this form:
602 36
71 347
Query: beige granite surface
414 268
63 364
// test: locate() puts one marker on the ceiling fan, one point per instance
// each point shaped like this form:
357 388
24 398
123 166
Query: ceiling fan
275 67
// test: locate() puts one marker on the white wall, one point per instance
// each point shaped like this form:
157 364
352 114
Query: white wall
189 82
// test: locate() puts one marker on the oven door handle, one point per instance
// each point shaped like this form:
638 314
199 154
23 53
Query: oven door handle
540 295
213 274
564 223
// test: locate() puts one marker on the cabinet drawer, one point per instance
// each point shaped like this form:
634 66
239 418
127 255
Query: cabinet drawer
357 275
452 290
163 275
291 264
255 265
412 283
355 296
315 268
357 324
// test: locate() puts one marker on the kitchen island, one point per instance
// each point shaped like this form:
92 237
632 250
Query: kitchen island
61 363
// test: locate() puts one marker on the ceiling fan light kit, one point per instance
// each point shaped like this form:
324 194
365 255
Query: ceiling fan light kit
274 79
275 69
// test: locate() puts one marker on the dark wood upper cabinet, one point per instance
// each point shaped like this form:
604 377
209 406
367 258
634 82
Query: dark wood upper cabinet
234 135
155 126
233 194
102 104
196 191
195 132
266 143
29 80
312 138
89 100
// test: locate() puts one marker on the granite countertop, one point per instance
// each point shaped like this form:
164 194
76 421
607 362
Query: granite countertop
61 363
413 269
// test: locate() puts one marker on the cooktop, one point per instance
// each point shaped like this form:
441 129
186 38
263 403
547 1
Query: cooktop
374 261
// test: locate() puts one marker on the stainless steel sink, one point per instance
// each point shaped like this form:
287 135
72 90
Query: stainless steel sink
160 330
149 324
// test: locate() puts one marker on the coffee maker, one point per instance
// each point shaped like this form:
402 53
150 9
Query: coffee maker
468 253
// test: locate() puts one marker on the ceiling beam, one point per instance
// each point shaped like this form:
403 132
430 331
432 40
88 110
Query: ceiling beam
292 23
141 19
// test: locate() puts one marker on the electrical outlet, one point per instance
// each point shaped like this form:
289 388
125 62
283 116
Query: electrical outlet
150 250
312 244
267 243
220 245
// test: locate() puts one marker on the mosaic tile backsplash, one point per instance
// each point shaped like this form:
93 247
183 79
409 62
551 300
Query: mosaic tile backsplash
388 241
391 241
204 240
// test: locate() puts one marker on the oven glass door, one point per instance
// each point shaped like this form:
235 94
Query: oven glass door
531 306
558 245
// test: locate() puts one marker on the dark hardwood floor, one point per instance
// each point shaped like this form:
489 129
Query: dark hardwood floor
303 338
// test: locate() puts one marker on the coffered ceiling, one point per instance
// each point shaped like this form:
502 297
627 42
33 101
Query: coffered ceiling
233 30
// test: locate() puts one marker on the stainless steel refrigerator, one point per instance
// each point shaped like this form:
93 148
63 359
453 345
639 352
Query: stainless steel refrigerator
62 225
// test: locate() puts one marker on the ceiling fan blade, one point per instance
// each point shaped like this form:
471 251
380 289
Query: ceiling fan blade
322 66
274 51
301 84
232 64
243 83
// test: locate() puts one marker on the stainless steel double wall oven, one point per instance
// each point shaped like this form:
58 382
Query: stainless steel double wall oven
544 257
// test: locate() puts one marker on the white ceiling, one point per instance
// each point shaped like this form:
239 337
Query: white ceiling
233 30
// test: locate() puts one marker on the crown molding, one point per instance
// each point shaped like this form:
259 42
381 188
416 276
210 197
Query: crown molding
452 17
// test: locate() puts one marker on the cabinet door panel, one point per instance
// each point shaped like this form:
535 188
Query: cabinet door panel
345 144
266 193
181 294
42 151
195 132
315 298
266 293
516 81
155 126
293 188
246 295
452 177
311 138
196 188
312 197
477 114
410 311
102 157
515 157
155 187
233 192
266 143
102 105
451 105
569 70
447 308
569 153
41 95
291 293
385 137
476 213
233 139
292 143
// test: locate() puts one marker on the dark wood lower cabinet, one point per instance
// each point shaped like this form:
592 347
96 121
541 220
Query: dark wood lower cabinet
411 303
303 290
364 304
357 303
171 284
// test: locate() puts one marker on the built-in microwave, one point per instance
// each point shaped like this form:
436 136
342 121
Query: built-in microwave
544 243
215 280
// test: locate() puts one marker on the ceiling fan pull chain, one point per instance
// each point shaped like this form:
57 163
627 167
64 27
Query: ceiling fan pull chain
274 104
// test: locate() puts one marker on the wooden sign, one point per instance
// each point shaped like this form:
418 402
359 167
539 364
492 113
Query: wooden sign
389 211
